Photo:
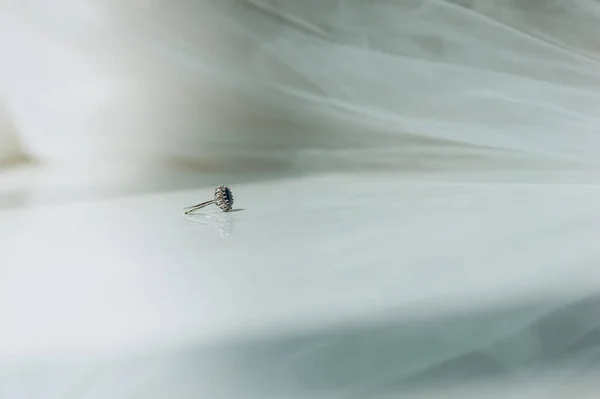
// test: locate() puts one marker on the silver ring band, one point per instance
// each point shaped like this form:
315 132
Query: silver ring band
223 198
192 209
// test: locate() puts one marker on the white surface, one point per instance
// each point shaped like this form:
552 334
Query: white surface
454 268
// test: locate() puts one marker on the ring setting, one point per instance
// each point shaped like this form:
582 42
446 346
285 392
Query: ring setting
223 198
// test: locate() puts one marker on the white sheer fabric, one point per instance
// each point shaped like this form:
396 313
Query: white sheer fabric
425 84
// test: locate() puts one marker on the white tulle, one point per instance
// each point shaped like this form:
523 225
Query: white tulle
426 84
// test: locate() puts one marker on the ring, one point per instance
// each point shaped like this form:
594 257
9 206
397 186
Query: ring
222 198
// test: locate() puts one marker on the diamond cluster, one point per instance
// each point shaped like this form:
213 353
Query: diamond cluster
224 198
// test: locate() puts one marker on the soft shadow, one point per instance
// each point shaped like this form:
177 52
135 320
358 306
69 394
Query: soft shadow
395 355
392 356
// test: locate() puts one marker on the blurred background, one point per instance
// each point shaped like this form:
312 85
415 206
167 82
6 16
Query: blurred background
373 141
134 96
